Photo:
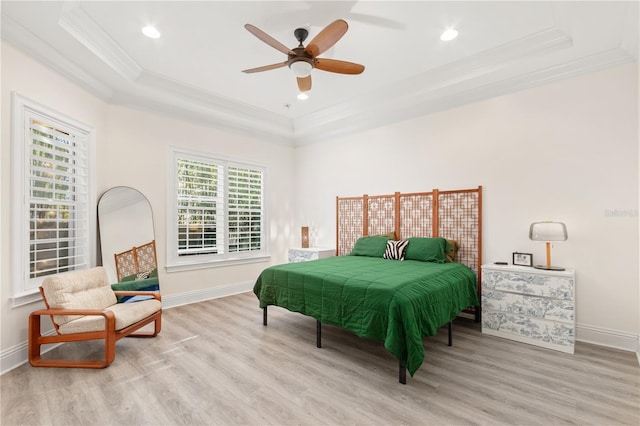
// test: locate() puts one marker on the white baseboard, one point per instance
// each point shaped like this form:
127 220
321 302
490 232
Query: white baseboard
17 355
173 300
607 337
13 357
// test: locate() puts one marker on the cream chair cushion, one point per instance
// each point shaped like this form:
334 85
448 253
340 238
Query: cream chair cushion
125 313
90 289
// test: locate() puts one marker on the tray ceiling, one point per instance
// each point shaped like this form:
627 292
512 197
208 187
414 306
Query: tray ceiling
193 70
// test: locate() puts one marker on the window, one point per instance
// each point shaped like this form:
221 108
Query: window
52 196
217 211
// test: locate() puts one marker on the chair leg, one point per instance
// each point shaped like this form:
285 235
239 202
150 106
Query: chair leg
37 361
157 326
34 341
110 347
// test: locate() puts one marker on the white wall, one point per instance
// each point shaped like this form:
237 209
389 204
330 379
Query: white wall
131 151
137 151
37 82
567 151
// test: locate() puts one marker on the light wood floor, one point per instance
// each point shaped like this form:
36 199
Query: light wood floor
215 364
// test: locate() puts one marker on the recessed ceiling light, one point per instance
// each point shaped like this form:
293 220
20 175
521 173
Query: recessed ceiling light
449 35
151 32
303 96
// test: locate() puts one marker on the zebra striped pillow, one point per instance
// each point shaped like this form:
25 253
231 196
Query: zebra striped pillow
395 249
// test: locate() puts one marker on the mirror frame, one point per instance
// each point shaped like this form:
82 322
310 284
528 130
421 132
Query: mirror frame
135 212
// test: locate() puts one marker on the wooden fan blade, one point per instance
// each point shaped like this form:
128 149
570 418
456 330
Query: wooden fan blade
265 68
327 38
268 39
341 67
304 83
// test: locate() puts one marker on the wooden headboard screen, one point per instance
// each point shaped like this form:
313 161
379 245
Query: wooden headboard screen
460 219
455 215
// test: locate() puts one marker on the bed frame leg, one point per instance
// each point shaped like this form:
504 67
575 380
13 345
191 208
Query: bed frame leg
402 374
318 334
264 316
450 333
478 313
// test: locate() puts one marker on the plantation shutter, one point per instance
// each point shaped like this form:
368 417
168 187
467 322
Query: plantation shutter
200 207
245 194
219 210
58 197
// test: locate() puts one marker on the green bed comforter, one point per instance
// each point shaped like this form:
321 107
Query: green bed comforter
395 302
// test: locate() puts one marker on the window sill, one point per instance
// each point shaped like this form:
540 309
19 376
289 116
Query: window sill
215 263
25 298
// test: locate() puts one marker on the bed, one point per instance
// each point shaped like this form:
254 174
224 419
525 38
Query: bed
391 301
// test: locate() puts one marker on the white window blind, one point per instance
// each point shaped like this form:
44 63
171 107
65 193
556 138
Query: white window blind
219 210
245 209
200 204
52 175
58 199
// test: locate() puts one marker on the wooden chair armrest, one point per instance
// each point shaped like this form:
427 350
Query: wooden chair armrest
156 295
36 337
105 313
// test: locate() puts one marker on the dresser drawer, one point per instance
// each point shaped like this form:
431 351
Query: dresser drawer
550 334
558 287
534 306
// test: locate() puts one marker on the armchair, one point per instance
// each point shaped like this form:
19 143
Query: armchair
82 306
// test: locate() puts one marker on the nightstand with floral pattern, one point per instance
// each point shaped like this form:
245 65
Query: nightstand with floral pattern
529 305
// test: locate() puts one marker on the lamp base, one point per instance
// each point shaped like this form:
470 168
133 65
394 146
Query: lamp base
549 268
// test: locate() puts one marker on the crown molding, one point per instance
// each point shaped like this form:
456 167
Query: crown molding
436 82
176 106
241 114
386 110
80 26
503 69
41 51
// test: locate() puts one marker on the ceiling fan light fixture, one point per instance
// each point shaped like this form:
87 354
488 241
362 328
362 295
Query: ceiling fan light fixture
301 68
151 31
449 34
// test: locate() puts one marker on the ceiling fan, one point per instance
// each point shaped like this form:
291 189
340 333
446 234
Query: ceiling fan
301 60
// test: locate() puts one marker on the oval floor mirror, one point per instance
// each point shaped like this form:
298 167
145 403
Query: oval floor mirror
127 240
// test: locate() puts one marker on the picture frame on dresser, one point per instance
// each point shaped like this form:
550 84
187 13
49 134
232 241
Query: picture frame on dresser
522 259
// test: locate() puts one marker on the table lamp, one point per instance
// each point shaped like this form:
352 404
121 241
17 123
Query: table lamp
548 232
